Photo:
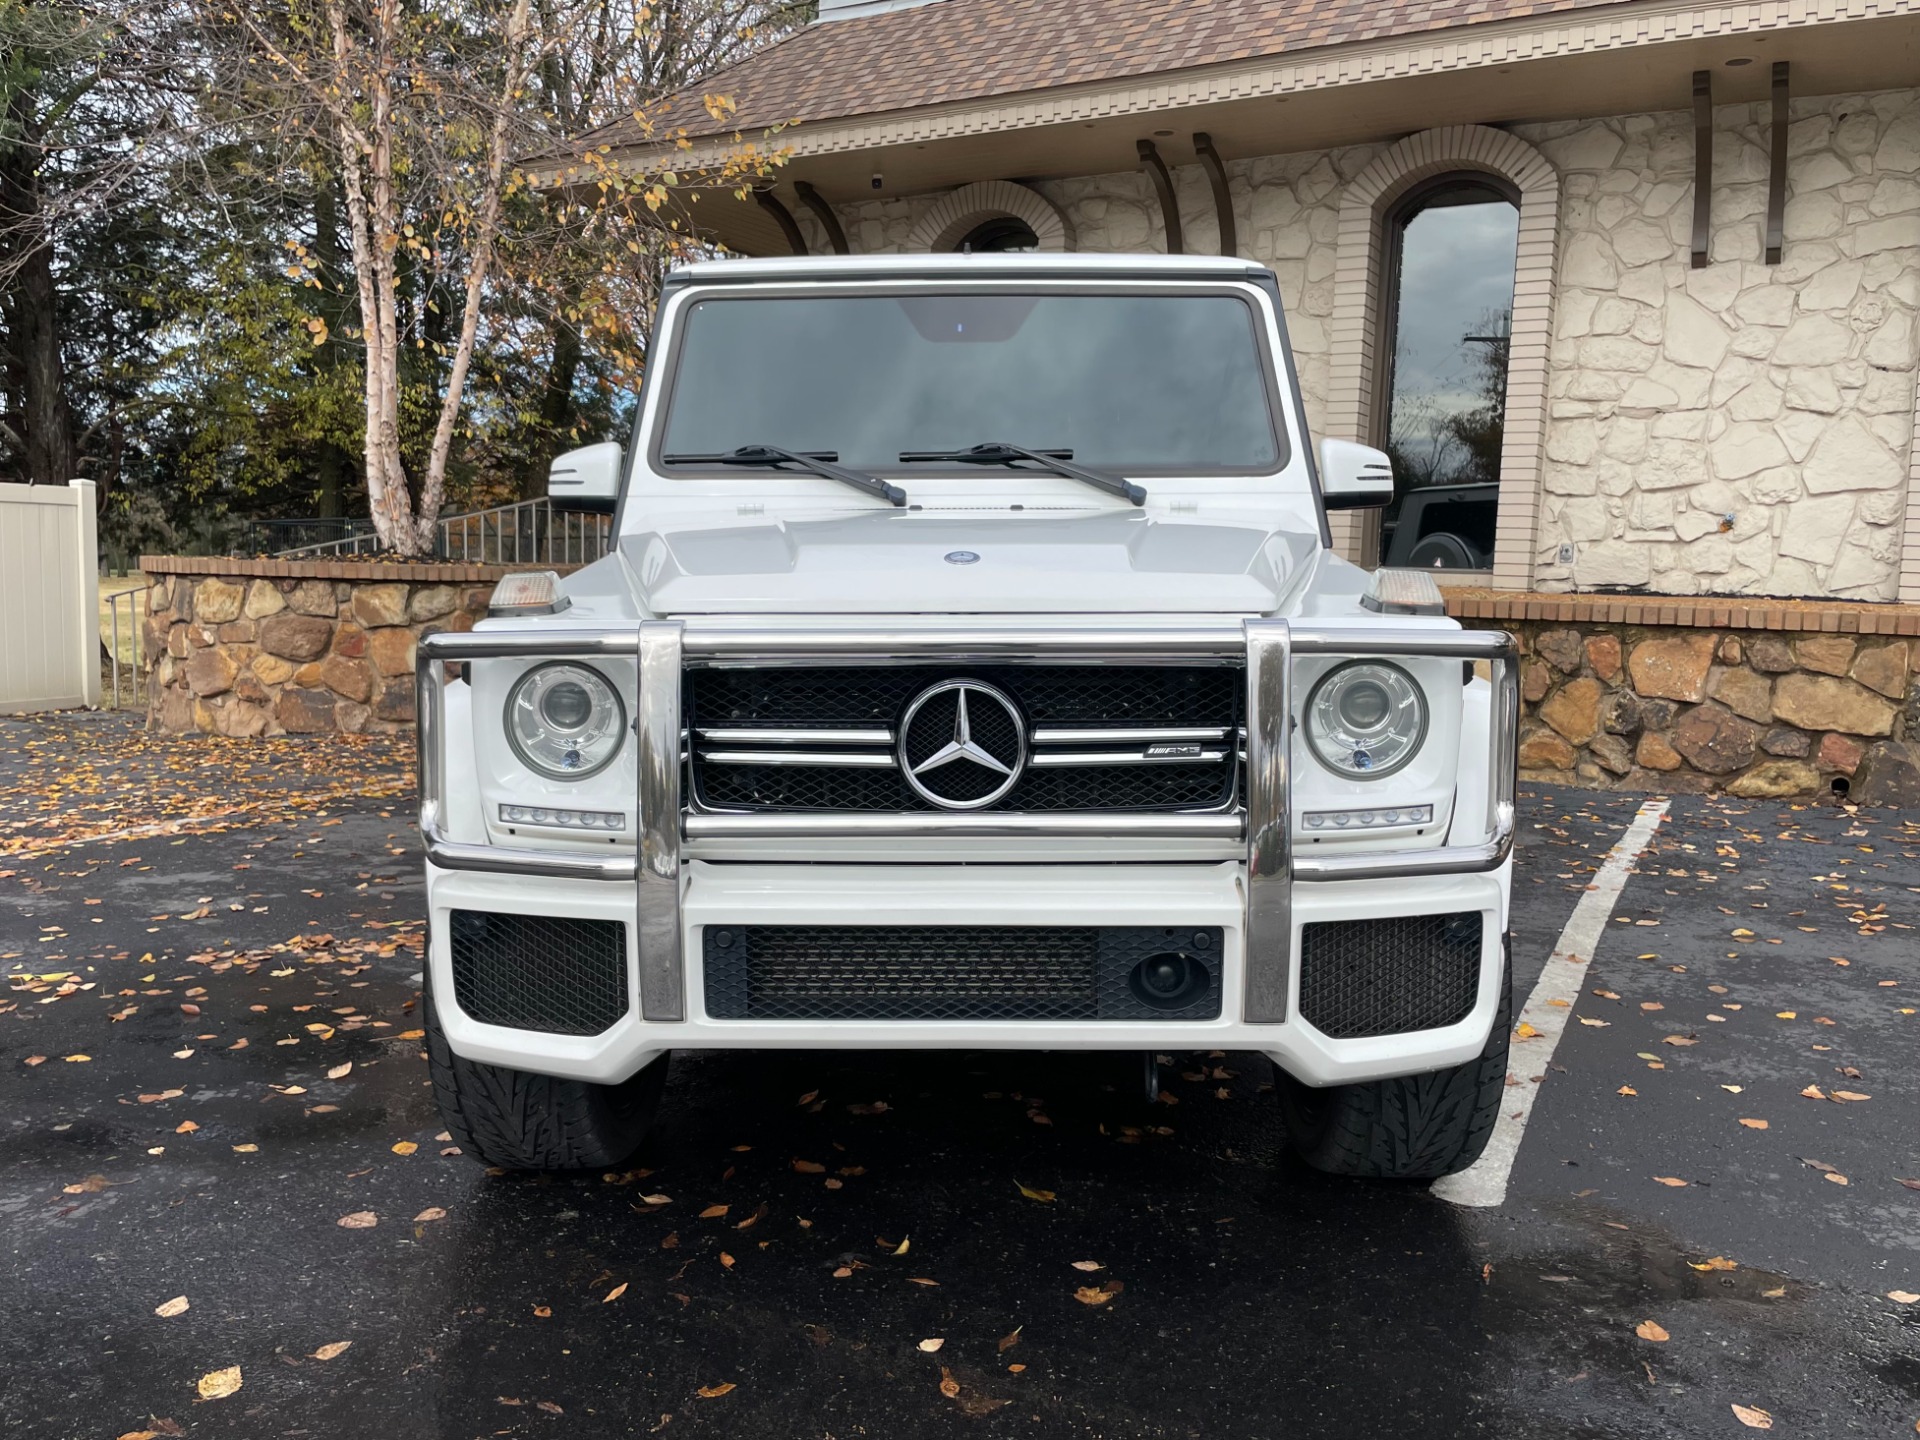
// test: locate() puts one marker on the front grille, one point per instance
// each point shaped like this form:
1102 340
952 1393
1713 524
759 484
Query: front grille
875 699
565 977
1388 977
946 972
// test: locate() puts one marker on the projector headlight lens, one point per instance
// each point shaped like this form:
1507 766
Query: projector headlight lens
1366 719
565 721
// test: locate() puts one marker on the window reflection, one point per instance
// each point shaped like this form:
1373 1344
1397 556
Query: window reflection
1451 311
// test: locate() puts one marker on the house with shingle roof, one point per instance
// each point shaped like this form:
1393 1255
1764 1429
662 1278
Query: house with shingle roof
1627 288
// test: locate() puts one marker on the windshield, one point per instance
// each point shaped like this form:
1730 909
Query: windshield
1135 383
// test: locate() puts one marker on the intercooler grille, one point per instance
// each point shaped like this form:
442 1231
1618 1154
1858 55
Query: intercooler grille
1389 976
532 972
944 972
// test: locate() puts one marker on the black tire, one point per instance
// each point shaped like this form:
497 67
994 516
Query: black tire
1417 1127
521 1121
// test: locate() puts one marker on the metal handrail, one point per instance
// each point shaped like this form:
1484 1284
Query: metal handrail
131 599
525 532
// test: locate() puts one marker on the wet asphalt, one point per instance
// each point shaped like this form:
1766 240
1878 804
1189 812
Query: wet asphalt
245 920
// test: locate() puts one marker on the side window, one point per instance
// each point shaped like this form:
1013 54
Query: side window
1450 250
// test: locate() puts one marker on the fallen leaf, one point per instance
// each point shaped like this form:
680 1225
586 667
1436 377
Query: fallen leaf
1713 1262
1903 1297
405 1147
920 1280
340 1072
1033 1194
1668 1180
218 1384
185 1127
1733 1089
901 1248
931 1345
251 1149
1597 1024
809 1167
543 1312
432 1212
1088 1265
1651 1330
713 1212
949 1386
615 1293
656 1199
726 1260
333 1349
173 1307
76 1059
1786 1015
1836 1177
1814 1092
1007 1342
1092 1295
714 1392
92 1185
36 1060
1754 1124
1751 1418
358 1220
1850 1095
1679 1040
1524 1031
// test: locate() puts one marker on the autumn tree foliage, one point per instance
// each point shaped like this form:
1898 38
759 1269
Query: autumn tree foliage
357 273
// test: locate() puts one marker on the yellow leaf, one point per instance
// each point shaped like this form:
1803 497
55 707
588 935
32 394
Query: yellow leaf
1754 1124
76 1059
332 1350
713 1212
1597 1024
410 1035
726 1261
405 1147
1091 1295
931 1345
1733 1089
714 1392
1850 1095
173 1307
1714 1262
1626 1090
1836 1177
246 1149
1814 1092
340 1072
218 1384
1902 1297
1751 1418
1786 1015
185 1127
1650 1330
1524 1031
901 1249
615 1293
433 1212
1032 1194
1668 1180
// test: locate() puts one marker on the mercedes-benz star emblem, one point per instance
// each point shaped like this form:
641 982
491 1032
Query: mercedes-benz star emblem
962 557
962 745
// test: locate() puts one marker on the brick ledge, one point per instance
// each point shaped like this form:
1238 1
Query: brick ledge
1836 617
401 573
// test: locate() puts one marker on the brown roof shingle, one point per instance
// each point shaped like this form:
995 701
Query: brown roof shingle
954 50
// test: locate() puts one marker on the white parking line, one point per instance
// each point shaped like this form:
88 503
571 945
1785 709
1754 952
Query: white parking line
1485 1181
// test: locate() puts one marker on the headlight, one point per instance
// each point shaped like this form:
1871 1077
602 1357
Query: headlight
565 721
1366 719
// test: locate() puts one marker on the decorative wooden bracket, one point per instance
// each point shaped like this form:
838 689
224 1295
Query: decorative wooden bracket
1222 195
1156 169
770 202
1702 166
823 212
1777 167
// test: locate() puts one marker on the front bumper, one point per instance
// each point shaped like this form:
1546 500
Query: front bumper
1193 896
1260 900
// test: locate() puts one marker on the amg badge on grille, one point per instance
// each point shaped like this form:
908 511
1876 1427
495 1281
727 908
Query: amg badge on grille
963 745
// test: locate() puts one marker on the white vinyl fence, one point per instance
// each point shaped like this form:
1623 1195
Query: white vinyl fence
49 598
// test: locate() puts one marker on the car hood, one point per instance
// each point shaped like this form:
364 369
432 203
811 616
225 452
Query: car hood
907 563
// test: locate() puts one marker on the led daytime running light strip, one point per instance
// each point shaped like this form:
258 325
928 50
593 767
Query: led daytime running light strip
1368 819
565 819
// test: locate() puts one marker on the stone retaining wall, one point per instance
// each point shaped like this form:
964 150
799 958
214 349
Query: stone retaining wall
1753 701
283 647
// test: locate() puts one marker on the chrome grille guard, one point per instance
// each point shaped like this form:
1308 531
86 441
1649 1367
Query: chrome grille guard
1265 647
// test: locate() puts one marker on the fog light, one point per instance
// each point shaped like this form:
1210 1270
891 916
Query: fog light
562 819
1367 819
1168 981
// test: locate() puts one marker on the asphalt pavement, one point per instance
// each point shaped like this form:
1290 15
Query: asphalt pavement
211 1091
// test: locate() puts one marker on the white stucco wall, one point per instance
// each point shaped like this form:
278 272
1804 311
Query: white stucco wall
1779 396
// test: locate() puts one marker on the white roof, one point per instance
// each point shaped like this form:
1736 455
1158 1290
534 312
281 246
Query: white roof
835 267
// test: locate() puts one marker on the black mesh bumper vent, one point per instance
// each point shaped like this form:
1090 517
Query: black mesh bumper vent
859 972
1388 977
565 977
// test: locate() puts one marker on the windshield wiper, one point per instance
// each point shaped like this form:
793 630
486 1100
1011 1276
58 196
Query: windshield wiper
1060 462
820 462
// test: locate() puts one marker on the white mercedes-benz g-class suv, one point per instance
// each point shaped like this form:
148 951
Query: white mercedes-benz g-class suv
972 670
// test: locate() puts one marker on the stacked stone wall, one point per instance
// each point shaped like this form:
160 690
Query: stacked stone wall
1751 713
324 647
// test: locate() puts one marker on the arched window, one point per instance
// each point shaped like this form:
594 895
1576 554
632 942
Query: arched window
1002 235
1450 248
